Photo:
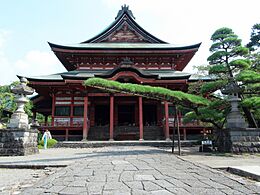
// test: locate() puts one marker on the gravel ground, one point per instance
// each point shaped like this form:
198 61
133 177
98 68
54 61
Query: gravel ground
13 181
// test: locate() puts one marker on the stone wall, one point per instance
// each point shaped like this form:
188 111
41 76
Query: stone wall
239 140
245 140
18 142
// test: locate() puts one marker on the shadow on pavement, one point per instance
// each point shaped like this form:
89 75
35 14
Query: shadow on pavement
91 155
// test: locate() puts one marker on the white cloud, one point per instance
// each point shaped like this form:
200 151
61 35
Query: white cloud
36 63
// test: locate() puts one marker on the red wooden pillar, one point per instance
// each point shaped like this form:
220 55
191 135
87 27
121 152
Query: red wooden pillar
166 109
53 109
71 111
85 119
111 126
141 126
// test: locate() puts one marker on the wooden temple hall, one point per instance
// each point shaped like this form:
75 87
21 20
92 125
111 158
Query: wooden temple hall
123 52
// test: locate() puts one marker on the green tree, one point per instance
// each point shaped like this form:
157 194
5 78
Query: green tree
229 61
254 43
226 61
250 78
7 101
254 47
228 55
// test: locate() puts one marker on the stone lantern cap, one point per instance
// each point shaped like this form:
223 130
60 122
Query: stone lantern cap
231 88
22 88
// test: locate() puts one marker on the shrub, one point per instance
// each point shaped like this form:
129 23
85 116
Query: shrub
50 143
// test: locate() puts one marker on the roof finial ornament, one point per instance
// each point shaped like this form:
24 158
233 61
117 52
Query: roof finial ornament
125 9
126 62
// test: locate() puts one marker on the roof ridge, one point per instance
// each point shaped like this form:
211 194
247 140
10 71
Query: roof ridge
124 9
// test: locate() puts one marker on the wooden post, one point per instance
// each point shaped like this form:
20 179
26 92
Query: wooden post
71 110
111 126
204 133
34 115
46 120
141 126
180 118
85 119
53 110
166 108
178 131
184 134
173 131
66 135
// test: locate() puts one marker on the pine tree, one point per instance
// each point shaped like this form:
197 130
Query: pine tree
250 78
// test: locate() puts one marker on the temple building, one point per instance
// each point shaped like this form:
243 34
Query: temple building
123 52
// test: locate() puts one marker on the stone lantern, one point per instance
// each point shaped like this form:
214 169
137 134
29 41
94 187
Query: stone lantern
19 138
234 118
237 137
19 118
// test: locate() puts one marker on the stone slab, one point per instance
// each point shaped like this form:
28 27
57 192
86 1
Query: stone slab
246 171
176 174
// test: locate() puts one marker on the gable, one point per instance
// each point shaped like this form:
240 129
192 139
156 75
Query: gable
125 34
124 30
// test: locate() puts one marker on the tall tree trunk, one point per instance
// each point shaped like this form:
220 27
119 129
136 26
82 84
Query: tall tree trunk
173 133
250 117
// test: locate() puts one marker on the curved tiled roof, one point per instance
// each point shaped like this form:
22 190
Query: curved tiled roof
85 74
124 15
122 46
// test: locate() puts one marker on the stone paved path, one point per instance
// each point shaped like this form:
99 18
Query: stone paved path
138 170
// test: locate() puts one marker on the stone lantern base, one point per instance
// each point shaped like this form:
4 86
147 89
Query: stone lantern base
18 142
18 120
240 140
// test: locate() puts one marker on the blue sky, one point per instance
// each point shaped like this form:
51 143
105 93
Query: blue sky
26 26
